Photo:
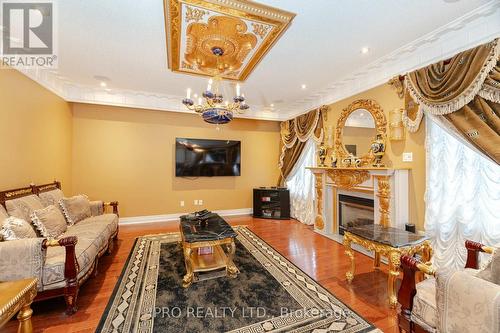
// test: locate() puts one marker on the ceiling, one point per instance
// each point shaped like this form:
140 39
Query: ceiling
226 40
122 42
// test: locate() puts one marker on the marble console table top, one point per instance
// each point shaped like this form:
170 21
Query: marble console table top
387 235
216 229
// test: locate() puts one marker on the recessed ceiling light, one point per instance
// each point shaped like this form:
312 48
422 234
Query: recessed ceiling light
195 95
271 105
365 50
104 84
102 78
303 86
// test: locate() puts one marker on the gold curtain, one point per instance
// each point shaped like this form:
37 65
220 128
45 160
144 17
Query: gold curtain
464 90
294 134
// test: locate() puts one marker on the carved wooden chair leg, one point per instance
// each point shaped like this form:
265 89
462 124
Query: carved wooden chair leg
95 272
70 296
111 246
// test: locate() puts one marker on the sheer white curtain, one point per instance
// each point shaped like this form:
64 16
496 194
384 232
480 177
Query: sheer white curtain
300 183
462 197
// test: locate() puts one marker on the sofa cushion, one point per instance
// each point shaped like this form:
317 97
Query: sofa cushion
424 311
14 228
51 197
491 272
93 234
23 207
76 208
98 228
49 221
466 303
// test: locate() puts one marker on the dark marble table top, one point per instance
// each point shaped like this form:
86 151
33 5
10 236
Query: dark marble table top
216 228
386 235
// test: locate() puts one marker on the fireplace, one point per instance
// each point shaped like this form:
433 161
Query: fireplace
354 211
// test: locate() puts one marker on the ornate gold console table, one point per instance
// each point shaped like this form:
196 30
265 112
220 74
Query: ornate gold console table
391 243
16 296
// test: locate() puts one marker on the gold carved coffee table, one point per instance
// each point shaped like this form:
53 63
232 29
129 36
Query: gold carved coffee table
387 242
216 234
16 296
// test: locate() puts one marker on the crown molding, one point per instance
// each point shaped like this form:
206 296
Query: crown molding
478 26
78 93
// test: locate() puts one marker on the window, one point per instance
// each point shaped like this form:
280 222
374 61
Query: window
300 183
462 197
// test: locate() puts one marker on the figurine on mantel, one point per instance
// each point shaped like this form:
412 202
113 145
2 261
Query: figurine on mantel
378 149
351 162
333 158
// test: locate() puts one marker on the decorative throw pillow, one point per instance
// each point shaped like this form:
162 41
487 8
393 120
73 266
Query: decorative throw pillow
492 270
3 214
76 208
14 228
23 207
49 221
51 197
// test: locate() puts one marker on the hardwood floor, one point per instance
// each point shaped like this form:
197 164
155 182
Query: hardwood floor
321 258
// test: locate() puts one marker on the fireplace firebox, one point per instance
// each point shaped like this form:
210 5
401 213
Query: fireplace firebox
354 211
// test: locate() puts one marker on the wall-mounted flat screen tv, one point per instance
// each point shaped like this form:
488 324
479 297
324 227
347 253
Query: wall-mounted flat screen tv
207 158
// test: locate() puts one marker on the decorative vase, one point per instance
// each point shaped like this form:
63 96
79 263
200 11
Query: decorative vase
378 149
322 154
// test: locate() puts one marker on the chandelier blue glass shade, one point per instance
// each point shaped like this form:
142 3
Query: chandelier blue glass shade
217 116
212 107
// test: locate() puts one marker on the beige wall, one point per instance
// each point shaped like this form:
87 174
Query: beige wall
125 154
129 155
35 128
414 142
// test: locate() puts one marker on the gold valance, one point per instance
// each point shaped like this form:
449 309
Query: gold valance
465 92
294 133
303 127
447 86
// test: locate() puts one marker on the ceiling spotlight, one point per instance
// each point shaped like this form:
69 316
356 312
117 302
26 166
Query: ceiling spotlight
102 78
195 95
303 86
271 105
365 50
104 84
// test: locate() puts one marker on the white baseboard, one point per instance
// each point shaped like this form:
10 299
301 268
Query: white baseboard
175 217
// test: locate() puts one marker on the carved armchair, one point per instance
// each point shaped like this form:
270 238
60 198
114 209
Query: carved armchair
440 302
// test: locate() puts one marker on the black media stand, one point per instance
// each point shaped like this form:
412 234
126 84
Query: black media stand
271 203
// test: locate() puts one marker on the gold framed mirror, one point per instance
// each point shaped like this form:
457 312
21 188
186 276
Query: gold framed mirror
359 126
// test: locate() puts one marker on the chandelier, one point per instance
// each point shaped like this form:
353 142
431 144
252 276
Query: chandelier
212 107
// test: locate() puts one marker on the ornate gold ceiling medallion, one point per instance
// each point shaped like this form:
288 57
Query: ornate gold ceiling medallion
244 30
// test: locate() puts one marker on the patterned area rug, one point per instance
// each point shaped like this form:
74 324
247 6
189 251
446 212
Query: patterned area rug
269 295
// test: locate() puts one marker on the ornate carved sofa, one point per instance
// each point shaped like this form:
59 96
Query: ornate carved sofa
61 265
449 300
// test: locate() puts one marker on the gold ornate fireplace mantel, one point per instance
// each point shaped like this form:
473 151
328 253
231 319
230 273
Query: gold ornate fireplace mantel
347 178
387 186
